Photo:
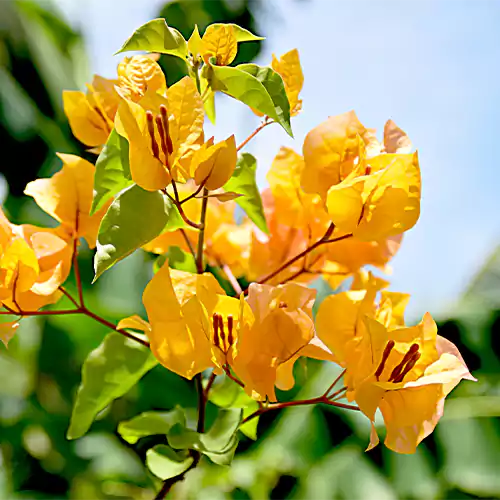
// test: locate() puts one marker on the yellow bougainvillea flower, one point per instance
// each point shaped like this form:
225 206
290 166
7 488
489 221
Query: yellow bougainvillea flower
289 68
34 262
214 164
282 331
138 74
405 372
91 115
163 133
194 324
67 196
381 204
219 41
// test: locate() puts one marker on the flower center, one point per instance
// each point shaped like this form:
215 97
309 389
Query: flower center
404 367
220 339
160 123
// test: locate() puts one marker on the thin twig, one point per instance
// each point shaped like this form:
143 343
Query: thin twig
76 267
232 279
302 402
188 242
334 383
210 382
201 235
322 241
264 124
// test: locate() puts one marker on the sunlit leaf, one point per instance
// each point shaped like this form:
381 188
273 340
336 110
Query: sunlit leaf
134 218
259 88
275 87
164 462
112 171
244 182
108 373
241 34
177 259
219 443
150 423
156 36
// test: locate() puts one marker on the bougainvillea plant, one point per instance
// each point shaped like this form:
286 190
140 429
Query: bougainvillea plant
231 300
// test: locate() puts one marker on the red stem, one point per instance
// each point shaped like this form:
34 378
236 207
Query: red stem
264 124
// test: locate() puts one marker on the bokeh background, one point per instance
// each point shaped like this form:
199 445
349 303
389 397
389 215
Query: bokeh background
432 66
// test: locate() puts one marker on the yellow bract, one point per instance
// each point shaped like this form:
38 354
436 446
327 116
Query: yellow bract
330 151
219 41
214 164
67 196
91 115
288 67
138 74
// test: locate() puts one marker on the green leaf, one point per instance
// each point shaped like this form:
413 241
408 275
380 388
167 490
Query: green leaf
150 423
275 87
157 36
112 171
165 463
177 259
243 182
219 443
133 219
241 34
259 88
108 373
226 394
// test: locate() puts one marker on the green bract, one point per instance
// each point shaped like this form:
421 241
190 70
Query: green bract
157 36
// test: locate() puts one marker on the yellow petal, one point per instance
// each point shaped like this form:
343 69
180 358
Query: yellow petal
177 342
87 123
398 302
344 203
374 440
146 170
219 41
7 331
329 152
395 139
134 322
19 268
186 117
392 206
410 415
288 66
139 73
217 164
338 318
67 196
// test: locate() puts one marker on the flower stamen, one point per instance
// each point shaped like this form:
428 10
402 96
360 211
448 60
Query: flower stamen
151 130
401 368
388 348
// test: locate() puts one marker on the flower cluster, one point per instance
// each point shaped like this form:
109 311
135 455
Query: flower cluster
244 307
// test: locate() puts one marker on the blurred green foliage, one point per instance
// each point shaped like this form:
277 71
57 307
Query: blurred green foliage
306 452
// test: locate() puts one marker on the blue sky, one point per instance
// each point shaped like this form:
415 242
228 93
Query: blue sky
431 66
